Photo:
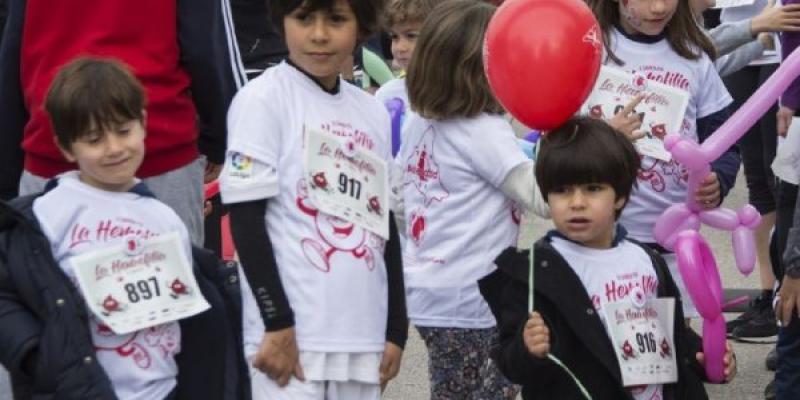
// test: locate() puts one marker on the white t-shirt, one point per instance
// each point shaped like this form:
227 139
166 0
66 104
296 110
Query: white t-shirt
77 218
332 271
662 184
607 279
457 219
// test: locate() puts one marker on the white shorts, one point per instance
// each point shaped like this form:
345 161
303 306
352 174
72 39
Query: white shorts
689 310
265 388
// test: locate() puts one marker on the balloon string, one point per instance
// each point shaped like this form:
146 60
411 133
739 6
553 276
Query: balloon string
550 356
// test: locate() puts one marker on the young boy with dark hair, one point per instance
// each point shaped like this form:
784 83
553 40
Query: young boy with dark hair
99 297
590 285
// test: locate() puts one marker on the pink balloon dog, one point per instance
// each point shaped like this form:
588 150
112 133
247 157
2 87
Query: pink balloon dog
678 227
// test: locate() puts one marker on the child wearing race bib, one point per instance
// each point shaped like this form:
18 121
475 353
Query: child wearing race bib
603 304
306 179
100 296
462 178
659 40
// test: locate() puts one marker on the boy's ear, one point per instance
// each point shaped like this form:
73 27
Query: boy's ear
619 203
144 121
64 152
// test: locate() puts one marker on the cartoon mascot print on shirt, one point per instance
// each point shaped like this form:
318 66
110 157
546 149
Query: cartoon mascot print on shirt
335 236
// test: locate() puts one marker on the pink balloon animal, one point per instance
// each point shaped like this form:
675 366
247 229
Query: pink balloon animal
678 227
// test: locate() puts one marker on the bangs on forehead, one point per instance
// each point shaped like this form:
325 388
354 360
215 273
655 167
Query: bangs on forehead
570 167
313 5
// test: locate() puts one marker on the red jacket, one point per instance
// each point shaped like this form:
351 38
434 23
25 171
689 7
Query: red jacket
182 51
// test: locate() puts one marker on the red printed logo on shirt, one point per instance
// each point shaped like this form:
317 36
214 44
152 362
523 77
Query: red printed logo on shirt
422 171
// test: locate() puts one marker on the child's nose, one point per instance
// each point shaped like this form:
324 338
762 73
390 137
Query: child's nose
319 31
578 199
114 144
658 6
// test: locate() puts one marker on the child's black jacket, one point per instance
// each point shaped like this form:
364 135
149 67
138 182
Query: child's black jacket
42 311
577 336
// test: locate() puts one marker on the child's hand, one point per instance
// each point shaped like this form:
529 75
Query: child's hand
390 363
211 172
278 357
788 300
627 121
708 195
536 336
784 116
728 360
776 19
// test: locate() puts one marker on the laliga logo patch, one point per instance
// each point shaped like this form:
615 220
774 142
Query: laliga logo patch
241 162
639 82
133 246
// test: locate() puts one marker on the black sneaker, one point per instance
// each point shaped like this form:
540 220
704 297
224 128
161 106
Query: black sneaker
772 359
756 307
769 391
762 325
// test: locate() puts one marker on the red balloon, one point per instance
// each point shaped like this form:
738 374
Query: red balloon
542 58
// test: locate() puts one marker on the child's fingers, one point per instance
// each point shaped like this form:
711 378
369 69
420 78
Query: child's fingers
632 104
298 372
701 358
636 134
541 350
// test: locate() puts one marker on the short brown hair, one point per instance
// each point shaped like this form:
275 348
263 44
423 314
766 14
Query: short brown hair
445 77
92 91
586 150
367 12
407 11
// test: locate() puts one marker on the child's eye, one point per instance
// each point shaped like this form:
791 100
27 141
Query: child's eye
393 36
302 17
559 189
92 139
338 18
412 35
594 187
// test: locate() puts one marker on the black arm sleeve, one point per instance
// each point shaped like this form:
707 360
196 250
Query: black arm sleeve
258 262
727 165
397 323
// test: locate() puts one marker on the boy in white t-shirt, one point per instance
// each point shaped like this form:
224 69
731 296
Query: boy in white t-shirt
139 325
306 179
583 271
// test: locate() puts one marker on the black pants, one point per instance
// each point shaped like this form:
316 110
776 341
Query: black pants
759 144
787 377
784 216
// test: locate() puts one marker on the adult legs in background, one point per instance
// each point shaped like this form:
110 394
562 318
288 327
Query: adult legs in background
758 148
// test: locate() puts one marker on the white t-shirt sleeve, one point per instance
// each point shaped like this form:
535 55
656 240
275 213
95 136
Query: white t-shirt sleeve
711 96
493 150
251 163
520 185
